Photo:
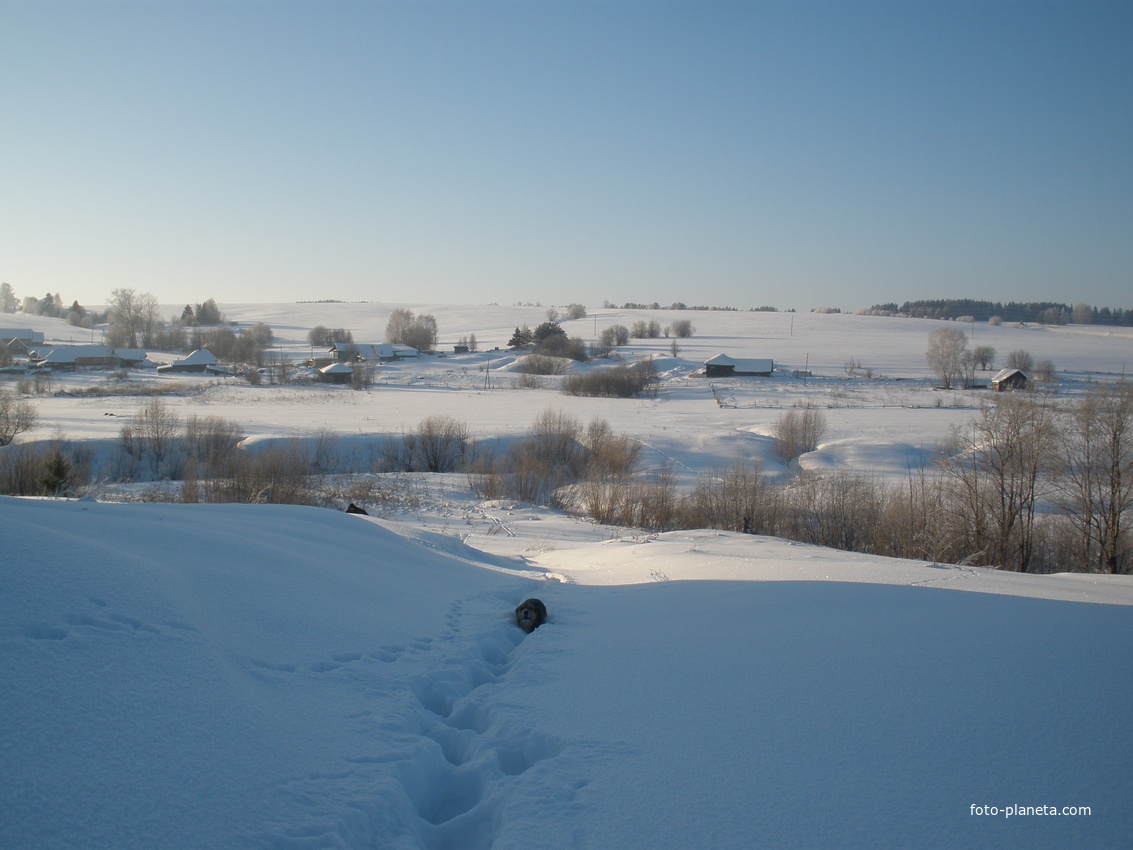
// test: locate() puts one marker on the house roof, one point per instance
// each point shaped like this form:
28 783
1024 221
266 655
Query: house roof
338 369
22 334
71 353
200 357
1004 374
375 351
742 365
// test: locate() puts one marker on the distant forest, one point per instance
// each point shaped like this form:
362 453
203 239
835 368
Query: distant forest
1038 312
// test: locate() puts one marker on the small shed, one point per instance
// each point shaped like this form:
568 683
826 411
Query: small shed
337 373
1009 379
723 366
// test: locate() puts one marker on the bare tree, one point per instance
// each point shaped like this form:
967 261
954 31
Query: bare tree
1096 475
157 428
997 465
949 358
1020 359
16 416
404 327
135 318
984 355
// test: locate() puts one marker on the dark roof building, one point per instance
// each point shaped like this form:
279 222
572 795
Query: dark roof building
723 366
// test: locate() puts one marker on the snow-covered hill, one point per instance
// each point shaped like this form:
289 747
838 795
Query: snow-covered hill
207 676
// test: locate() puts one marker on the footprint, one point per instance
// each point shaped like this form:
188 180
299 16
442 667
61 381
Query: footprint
458 792
42 631
527 749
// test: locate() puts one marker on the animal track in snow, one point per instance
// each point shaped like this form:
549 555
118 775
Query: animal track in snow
461 778
338 661
440 761
102 619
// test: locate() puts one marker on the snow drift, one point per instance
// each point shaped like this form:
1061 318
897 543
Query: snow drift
192 676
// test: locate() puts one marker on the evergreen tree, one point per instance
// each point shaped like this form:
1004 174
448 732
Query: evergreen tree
56 478
521 338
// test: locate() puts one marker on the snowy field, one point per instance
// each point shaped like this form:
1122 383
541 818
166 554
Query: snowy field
883 425
208 676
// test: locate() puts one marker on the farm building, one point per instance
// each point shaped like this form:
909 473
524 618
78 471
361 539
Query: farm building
723 366
348 351
201 360
1009 379
71 357
337 373
19 340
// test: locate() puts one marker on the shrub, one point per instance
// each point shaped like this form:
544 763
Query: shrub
614 336
278 474
610 455
681 328
798 431
1044 371
21 468
541 364
441 444
737 499
559 345
642 329
610 382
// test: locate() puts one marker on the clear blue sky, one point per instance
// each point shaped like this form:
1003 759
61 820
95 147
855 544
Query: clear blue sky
794 154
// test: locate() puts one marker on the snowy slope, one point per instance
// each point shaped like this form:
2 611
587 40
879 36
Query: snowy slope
199 676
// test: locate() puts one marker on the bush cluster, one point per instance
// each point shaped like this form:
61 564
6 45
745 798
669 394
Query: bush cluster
612 381
1025 485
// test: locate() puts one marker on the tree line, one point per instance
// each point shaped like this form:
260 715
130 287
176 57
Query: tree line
1036 312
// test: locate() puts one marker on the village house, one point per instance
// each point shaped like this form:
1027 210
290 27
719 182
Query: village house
200 361
67 358
723 366
344 352
337 373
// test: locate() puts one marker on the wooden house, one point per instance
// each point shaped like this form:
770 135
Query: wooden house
1009 379
723 366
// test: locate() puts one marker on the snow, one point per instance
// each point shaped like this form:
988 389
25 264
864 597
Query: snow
191 676
266 676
